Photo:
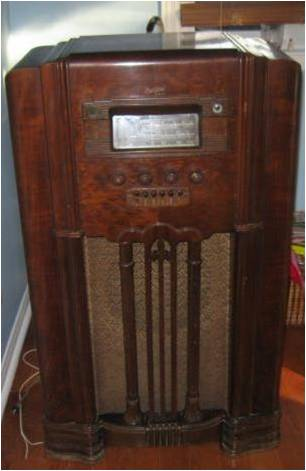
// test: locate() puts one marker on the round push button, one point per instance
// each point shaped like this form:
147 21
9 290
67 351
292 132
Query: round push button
196 176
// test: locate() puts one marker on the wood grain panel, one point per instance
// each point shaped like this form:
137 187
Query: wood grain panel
281 125
212 14
34 186
243 187
104 208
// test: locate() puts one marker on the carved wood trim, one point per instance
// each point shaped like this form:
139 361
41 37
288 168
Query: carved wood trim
173 294
60 154
77 334
253 432
192 411
161 308
74 441
167 232
149 321
132 415
162 233
162 434
251 147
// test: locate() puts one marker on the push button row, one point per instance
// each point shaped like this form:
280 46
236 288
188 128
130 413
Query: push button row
158 193
157 197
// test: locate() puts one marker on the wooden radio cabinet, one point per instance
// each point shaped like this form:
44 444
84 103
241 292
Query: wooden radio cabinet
156 184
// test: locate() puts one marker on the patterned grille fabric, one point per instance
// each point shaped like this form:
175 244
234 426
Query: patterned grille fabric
103 282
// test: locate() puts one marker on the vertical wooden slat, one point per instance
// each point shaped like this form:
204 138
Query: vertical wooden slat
281 120
161 252
173 329
149 322
132 415
36 206
246 304
78 347
192 411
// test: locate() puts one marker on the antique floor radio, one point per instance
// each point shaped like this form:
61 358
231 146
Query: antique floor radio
156 178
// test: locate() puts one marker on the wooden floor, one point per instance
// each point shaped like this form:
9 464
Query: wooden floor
289 455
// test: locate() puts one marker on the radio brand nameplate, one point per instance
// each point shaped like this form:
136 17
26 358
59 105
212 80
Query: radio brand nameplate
155 131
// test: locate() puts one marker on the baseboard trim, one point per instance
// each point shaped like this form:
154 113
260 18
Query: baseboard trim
14 347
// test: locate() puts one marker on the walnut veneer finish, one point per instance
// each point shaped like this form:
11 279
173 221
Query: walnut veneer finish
211 14
73 185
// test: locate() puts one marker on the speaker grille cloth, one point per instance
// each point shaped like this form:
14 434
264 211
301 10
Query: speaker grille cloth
104 295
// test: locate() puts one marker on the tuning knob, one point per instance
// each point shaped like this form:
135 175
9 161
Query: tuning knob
118 179
171 176
196 176
145 178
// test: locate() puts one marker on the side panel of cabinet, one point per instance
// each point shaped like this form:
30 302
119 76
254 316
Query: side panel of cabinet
281 115
266 190
33 179
55 260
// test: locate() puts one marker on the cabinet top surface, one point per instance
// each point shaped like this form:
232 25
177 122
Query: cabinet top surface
148 43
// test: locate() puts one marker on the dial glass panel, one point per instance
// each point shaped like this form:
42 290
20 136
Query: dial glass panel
155 131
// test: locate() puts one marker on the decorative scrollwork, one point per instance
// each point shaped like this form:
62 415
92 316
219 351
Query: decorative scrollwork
160 253
149 234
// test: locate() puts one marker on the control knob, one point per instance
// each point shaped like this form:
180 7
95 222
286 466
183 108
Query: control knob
196 176
171 176
118 179
145 178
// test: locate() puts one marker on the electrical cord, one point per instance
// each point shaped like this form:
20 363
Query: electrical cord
24 389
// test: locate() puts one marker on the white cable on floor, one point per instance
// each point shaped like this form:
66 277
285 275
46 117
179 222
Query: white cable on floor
31 380
27 362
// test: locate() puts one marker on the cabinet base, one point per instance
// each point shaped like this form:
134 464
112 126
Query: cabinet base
85 442
74 441
250 433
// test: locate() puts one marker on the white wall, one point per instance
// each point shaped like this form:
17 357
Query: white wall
42 23
14 279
